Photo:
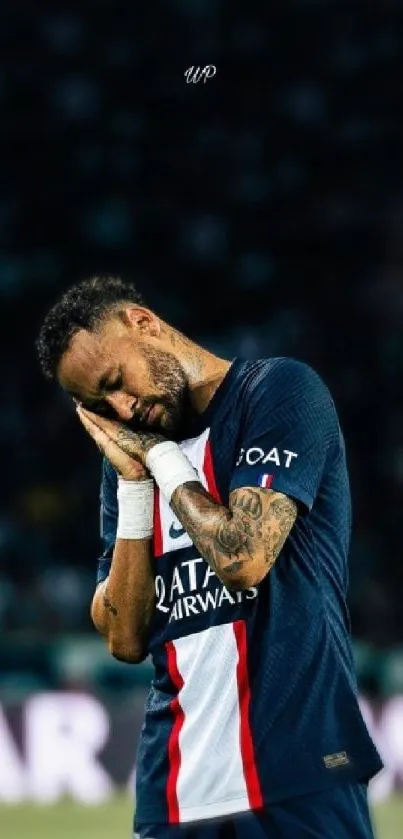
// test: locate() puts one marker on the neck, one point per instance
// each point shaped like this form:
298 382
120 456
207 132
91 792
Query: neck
204 370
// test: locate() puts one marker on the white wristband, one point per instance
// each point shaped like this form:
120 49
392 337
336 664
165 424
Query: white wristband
136 509
170 467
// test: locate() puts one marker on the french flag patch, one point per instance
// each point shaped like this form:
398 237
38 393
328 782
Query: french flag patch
265 481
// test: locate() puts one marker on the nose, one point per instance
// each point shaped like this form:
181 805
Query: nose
123 404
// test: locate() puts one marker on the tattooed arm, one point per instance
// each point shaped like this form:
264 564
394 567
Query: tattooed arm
123 604
240 543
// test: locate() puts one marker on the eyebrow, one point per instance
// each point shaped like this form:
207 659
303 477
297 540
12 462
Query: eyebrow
101 384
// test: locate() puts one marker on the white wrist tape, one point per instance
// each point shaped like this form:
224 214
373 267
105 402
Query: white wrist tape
136 509
170 467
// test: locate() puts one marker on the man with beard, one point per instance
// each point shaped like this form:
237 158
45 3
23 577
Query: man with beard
226 525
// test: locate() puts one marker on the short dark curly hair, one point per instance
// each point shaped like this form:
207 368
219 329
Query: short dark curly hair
83 306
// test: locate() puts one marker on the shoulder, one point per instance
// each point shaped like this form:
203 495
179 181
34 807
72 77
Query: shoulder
283 379
289 394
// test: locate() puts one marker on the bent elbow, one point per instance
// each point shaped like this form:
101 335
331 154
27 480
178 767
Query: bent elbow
127 652
246 580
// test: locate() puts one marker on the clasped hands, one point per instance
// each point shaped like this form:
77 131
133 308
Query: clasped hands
125 449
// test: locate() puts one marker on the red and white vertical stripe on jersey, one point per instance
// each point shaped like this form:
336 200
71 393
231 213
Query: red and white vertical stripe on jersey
174 754
247 747
208 469
157 523
212 771
168 532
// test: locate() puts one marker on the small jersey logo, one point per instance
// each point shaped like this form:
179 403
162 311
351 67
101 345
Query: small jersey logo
176 532
265 481
336 759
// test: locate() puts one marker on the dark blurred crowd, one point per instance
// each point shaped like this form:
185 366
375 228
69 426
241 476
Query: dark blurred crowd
260 211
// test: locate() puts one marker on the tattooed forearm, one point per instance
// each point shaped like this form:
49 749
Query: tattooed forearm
238 533
282 512
210 527
137 443
241 543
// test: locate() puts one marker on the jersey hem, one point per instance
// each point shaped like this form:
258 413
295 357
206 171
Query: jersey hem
214 810
235 806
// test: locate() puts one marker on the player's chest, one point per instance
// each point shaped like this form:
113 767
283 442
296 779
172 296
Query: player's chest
189 597
188 594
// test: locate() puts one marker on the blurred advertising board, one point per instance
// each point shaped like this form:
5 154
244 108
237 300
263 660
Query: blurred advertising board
57 744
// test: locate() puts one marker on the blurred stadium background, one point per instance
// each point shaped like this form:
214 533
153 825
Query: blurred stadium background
261 212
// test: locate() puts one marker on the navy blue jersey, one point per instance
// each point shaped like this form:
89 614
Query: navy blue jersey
254 696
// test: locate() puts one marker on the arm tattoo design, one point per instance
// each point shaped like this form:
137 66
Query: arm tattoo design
280 517
252 531
137 443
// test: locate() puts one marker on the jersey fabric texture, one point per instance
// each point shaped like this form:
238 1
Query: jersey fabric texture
254 696
340 812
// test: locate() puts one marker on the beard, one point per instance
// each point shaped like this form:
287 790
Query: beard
172 394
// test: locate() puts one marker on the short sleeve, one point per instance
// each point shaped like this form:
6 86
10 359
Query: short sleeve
290 422
108 519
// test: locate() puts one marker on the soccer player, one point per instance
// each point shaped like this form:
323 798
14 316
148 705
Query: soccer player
226 524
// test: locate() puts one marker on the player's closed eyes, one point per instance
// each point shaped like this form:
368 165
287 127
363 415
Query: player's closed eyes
116 384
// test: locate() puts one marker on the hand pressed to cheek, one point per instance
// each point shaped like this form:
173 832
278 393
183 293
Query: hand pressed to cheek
135 444
97 434
125 465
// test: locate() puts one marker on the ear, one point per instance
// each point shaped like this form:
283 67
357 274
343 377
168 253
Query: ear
142 321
